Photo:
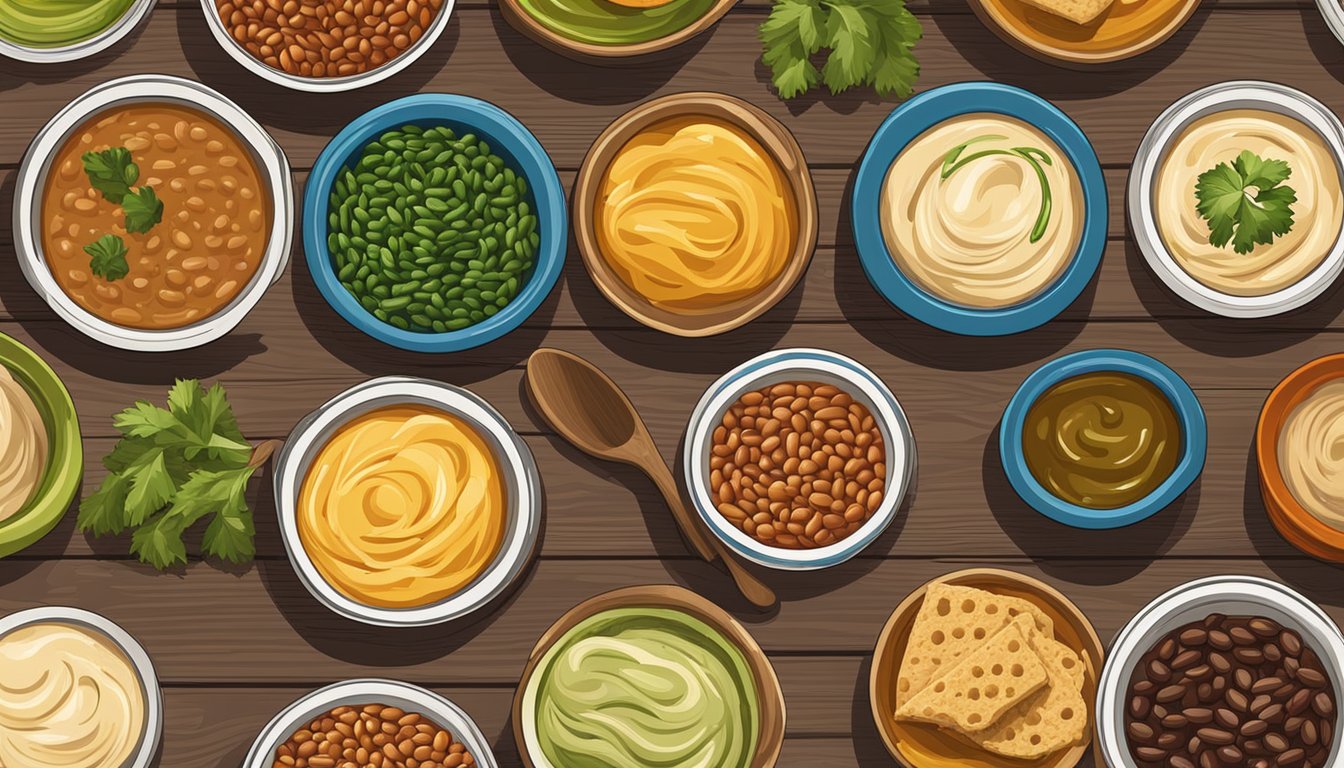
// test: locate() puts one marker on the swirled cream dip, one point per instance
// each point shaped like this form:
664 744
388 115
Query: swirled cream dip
69 698
982 210
641 687
1317 212
23 446
403 507
1311 453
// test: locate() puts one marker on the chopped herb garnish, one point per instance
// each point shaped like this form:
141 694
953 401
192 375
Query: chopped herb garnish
953 161
1246 203
111 172
143 209
108 257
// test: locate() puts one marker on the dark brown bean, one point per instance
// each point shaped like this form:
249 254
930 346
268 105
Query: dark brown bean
1216 736
1322 705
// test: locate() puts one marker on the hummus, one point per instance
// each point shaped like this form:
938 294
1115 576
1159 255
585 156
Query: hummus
403 507
603 22
23 446
693 214
1317 214
69 698
988 228
640 687
1311 453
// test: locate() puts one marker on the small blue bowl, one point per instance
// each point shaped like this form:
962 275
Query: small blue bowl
510 140
1194 437
923 112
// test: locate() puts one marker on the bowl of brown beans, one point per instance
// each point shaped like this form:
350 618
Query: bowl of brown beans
371 722
1221 671
323 46
799 458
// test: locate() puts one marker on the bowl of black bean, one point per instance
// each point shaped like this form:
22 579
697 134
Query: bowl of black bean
1223 671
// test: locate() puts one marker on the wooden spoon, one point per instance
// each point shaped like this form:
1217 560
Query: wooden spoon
586 407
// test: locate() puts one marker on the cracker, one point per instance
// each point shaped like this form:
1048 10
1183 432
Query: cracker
1077 11
1050 719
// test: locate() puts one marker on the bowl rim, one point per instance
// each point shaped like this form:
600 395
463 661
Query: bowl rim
64 472
239 54
770 697
1210 594
1298 525
1152 153
1189 411
272 168
440 710
522 533
860 382
135 15
907 123
503 132
779 144
1333 13
152 732
607 55
1011 33
1094 654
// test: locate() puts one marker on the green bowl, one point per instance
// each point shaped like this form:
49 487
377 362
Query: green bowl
65 457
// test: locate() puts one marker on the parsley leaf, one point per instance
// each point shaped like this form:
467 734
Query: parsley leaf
111 172
143 209
104 511
850 36
870 42
108 257
792 33
1244 203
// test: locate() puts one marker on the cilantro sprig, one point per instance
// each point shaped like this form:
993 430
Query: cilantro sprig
107 257
114 173
1246 203
111 172
173 468
869 42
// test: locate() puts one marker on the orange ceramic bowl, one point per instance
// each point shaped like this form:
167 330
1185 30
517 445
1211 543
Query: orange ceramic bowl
1127 29
1292 520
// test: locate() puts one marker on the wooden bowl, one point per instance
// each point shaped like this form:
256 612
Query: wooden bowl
1128 29
1292 520
609 55
778 143
920 745
770 698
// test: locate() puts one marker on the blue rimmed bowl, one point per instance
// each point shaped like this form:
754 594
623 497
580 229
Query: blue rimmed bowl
1189 413
510 140
907 123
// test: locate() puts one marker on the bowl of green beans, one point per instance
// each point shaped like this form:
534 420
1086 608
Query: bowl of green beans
434 223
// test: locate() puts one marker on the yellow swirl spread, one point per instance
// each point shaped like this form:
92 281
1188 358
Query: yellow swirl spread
694 214
69 698
1311 453
23 446
403 507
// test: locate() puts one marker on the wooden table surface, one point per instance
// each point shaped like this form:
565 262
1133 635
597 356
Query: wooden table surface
233 645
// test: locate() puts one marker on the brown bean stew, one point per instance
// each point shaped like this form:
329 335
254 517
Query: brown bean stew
154 216
1231 691
371 736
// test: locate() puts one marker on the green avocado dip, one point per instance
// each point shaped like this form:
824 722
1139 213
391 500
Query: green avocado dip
602 22
644 688
57 23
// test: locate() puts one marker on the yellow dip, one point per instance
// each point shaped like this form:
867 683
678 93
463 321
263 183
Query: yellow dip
1311 453
403 507
69 698
971 238
1317 214
23 447
693 214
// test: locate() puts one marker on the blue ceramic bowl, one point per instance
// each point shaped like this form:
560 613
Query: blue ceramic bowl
1194 437
923 112
510 140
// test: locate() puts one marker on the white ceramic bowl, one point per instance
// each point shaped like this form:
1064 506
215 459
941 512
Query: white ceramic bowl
325 84
521 481
1193 601
272 165
132 18
783 365
354 693
1333 11
1153 152
148 745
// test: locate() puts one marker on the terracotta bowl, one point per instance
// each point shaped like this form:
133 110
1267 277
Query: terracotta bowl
610 55
770 697
771 135
1126 30
1292 520
918 745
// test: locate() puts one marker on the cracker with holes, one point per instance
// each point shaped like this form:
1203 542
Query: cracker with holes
1050 719
1077 11
984 684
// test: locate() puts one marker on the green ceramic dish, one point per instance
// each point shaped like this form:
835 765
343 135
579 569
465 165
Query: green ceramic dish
65 463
